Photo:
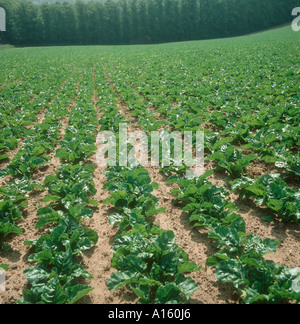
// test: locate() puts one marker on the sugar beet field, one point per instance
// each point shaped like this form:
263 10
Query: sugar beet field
72 231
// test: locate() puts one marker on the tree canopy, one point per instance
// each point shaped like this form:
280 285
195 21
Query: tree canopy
44 22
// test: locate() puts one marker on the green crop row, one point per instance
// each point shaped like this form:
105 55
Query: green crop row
240 257
54 278
257 110
20 102
273 142
38 143
147 258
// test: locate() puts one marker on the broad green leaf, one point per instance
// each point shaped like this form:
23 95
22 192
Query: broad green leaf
76 292
187 286
232 271
168 294
120 279
187 267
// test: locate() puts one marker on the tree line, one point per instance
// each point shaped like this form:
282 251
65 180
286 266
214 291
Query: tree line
137 21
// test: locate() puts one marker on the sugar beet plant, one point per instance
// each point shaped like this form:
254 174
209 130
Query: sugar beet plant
243 93
271 191
54 278
38 142
240 258
147 258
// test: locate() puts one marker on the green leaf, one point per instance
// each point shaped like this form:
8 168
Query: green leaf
53 292
76 292
168 294
142 291
262 247
228 237
8 228
93 202
268 218
188 267
187 286
47 215
231 271
275 204
63 261
51 198
218 257
120 279
155 185
36 275
4 157
4 266
45 256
